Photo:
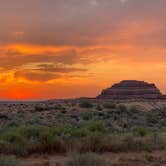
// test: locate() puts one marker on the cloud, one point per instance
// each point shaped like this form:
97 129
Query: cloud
123 1
35 76
11 60
76 23
94 3
57 69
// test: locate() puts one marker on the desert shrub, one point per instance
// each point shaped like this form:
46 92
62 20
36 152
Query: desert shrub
109 105
127 142
35 121
12 135
39 108
141 132
12 141
95 142
152 118
122 108
61 130
95 126
48 142
87 159
86 104
8 161
3 116
30 132
87 115
63 111
133 109
99 107
79 132
86 137
163 122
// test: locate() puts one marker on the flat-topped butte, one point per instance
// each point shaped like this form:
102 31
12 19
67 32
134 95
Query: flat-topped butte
132 89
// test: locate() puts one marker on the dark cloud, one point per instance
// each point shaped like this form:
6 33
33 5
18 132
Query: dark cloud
79 22
56 69
11 60
45 72
36 76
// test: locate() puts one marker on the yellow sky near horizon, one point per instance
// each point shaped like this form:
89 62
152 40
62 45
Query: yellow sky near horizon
84 78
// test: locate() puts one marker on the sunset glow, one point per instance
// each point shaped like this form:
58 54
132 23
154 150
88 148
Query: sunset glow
74 48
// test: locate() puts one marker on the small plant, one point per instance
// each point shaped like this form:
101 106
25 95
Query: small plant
141 131
134 109
122 108
87 159
8 161
87 115
95 126
3 116
151 119
99 108
109 105
39 108
86 104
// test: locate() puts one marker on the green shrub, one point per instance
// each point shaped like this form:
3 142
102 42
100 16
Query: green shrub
122 108
92 143
51 143
99 107
8 161
79 132
109 105
95 126
163 122
31 132
141 131
86 104
87 115
12 135
87 137
152 119
87 159
134 109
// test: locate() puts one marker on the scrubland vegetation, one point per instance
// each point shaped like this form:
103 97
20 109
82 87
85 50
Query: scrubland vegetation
84 128
92 137
87 159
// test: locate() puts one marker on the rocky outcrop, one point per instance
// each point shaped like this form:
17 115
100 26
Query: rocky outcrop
131 89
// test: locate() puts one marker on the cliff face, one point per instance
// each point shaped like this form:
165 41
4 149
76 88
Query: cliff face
131 89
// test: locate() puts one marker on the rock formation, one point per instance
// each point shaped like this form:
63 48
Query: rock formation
132 89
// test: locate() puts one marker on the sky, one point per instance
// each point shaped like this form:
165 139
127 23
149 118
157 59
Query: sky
74 48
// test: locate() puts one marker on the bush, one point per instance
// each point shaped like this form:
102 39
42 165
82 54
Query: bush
8 161
152 119
122 108
95 126
87 137
87 115
141 131
109 105
99 108
86 104
134 109
92 143
87 159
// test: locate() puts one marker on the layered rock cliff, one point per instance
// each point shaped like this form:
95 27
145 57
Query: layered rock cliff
131 89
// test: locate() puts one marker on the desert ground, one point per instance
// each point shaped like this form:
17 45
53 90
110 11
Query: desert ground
89 131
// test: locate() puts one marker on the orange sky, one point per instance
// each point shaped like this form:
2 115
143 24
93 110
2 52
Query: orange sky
59 49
